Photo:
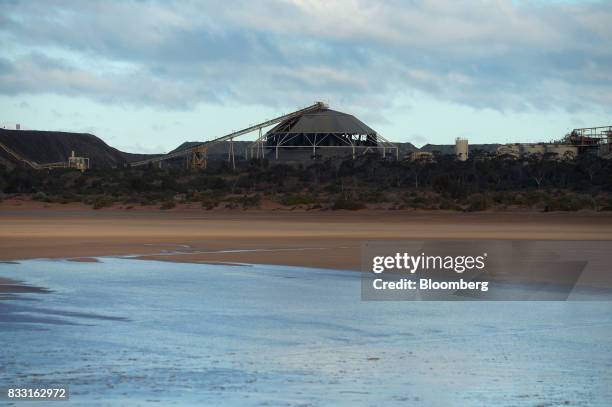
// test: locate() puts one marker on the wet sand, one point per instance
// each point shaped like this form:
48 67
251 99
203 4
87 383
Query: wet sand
8 287
235 336
323 239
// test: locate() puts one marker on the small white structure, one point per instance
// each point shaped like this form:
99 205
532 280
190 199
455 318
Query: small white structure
10 126
461 149
80 163
421 156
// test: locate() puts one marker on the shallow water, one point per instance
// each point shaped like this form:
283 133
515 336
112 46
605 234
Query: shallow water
133 332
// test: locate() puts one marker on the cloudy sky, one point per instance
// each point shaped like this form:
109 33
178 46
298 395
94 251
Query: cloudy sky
147 75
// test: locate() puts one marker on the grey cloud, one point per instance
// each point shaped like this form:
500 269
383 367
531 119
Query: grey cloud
5 66
482 54
41 74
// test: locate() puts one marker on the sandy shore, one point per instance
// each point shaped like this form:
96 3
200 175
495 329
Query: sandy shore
313 239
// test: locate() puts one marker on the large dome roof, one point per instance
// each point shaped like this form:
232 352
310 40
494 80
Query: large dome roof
323 121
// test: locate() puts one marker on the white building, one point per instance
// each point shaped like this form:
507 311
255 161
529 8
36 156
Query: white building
461 149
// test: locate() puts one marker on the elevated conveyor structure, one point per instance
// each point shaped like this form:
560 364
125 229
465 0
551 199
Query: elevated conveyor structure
194 152
30 163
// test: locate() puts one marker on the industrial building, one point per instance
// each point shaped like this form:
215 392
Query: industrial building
594 140
80 163
590 140
321 133
313 132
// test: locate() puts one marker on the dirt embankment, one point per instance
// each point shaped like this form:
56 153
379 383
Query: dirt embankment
329 239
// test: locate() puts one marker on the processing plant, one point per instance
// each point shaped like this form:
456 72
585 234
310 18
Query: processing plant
589 140
312 132
321 133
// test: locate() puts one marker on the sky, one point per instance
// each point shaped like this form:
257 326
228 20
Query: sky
147 75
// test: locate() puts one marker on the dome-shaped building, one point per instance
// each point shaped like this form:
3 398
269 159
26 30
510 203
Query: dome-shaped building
321 133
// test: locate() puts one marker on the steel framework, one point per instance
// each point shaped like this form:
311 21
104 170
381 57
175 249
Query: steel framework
196 156
34 164
189 152
353 142
590 136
